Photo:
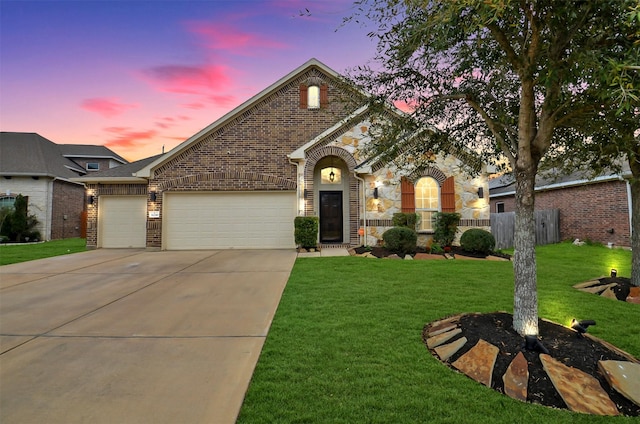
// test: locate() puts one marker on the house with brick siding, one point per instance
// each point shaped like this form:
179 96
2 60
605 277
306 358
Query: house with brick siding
597 209
42 171
291 150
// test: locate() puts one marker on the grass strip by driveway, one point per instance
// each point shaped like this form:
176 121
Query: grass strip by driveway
14 253
345 345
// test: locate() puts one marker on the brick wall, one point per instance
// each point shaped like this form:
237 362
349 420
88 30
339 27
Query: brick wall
66 210
588 211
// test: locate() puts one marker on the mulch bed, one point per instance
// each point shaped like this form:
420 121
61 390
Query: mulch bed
382 252
622 287
563 344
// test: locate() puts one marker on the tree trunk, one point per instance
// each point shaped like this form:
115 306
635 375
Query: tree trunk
635 223
525 297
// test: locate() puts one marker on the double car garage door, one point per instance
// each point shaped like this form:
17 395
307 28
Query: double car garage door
210 220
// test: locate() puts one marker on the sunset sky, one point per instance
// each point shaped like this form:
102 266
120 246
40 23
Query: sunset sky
139 75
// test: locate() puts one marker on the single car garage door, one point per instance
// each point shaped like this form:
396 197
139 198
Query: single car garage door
122 221
246 220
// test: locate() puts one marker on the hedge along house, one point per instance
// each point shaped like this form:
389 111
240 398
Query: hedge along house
290 150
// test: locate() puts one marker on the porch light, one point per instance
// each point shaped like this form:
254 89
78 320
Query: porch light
332 175
480 192
153 196
614 273
90 199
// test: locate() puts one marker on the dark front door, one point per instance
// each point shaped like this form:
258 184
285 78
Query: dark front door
331 216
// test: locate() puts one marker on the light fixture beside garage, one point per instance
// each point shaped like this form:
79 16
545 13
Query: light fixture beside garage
153 195
90 199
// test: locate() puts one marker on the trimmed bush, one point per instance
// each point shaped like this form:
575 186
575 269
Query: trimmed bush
477 240
401 240
405 219
445 228
306 231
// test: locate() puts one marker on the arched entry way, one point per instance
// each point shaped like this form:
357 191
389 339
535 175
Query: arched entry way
331 182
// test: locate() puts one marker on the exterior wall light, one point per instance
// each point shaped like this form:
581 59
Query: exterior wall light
375 193
480 192
614 273
153 196
90 199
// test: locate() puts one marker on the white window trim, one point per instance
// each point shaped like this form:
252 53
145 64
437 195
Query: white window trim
431 210
97 168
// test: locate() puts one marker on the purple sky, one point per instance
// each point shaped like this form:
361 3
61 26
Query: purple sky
140 75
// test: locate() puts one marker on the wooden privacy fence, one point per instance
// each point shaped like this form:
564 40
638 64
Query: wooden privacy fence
547 227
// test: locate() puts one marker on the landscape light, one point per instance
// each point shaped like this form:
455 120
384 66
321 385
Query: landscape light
533 344
614 273
581 326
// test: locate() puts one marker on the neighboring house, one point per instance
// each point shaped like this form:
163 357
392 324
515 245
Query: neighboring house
597 209
41 170
290 150
92 158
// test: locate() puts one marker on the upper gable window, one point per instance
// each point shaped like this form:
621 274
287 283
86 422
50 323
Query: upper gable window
93 166
313 97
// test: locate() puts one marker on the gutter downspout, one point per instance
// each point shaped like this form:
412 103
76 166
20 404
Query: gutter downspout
298 190
364 208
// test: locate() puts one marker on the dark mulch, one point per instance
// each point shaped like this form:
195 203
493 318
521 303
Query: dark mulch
563 344
382 252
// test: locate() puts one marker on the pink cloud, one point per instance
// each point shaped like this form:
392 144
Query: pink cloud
106 106
194 105
222 101
226 37
188 79
126 138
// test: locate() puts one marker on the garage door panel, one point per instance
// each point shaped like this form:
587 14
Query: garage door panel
122 221
228 220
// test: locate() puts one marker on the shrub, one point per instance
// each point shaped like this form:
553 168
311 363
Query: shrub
16 224
401 240
477 240
306 231
405 219
436 249
445 228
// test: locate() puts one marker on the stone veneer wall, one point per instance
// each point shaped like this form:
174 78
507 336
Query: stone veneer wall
474 211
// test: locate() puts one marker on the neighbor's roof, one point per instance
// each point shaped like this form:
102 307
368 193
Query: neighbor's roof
30 154
504 185
122 173
90 151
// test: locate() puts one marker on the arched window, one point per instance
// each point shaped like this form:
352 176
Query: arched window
427 196
313 97
7 202
330 175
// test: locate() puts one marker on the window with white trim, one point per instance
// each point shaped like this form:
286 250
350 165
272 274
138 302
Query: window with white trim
93 166
427 195
7 202
500 207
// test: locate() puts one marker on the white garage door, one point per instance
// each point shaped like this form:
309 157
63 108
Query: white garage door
122 221
228 220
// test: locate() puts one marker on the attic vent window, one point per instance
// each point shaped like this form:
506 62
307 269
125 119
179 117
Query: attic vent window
93 166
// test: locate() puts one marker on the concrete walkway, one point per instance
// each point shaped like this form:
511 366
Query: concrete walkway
129 336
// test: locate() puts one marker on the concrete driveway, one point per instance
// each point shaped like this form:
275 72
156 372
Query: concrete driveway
130 336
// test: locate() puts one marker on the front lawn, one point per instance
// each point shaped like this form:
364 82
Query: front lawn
345 345
14 253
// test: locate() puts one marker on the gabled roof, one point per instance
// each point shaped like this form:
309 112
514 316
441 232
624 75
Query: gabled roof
92 151
30 154
119 174
147 171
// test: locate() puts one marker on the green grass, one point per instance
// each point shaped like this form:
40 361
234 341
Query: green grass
11 254
345 345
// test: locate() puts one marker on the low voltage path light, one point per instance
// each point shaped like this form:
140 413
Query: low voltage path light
614 273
